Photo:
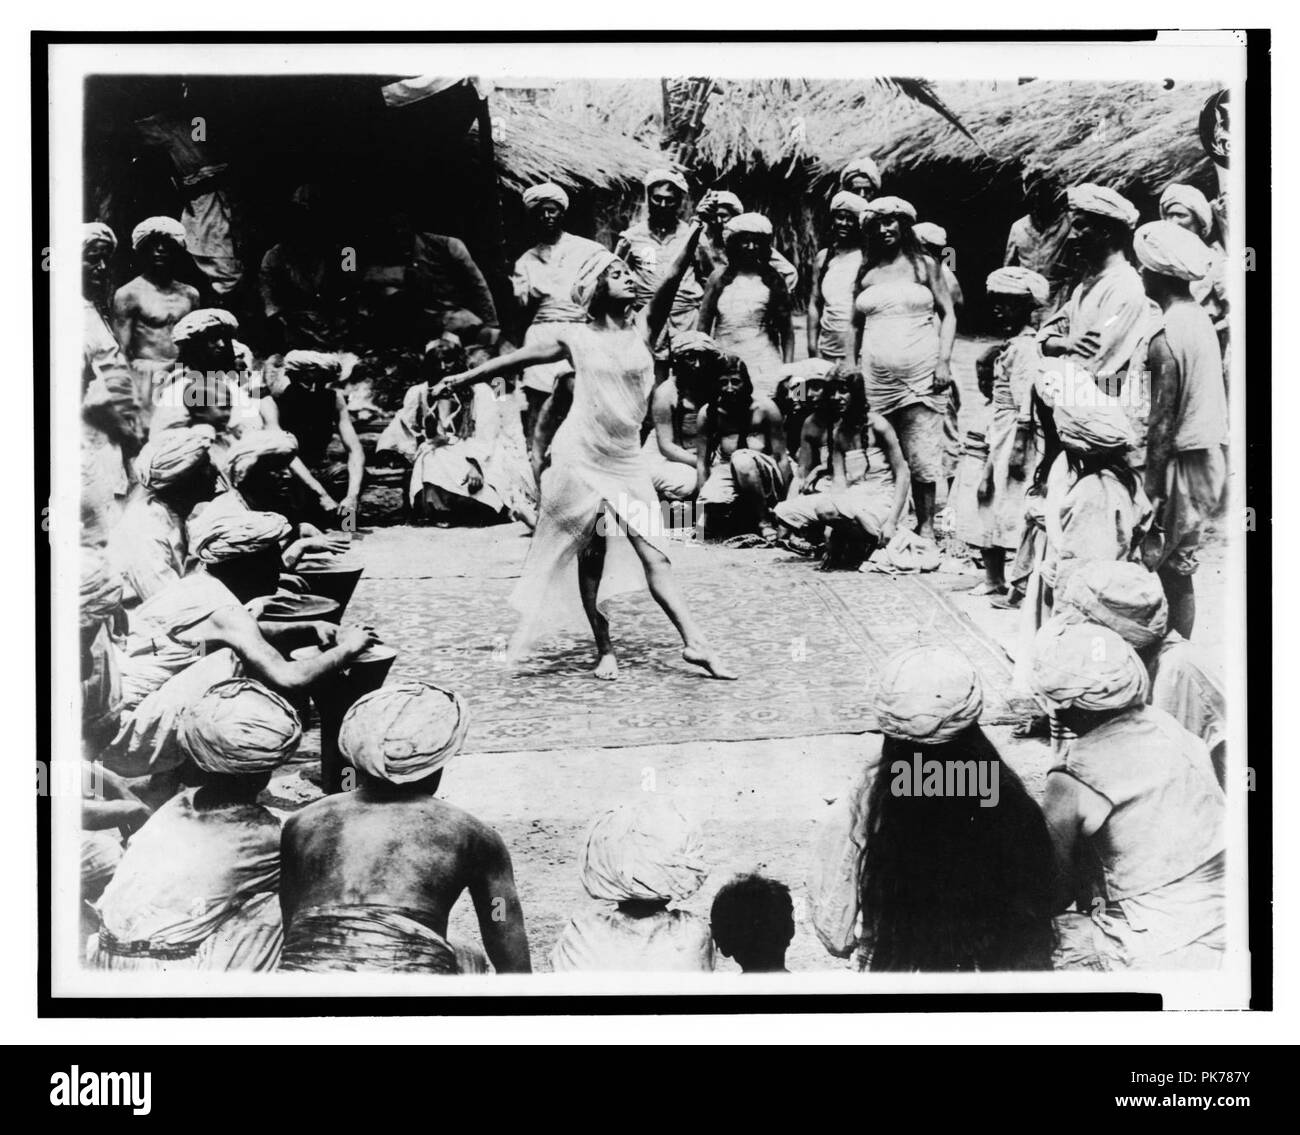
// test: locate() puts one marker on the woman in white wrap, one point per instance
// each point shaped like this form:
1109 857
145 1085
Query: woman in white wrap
599 512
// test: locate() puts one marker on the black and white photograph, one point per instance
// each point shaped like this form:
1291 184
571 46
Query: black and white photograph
684 519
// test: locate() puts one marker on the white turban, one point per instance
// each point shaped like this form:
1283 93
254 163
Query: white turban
95 232
1122 596
1016 281
748 223
167 227
244 455
806 369
1087 418
203 321
927 232
588 276
861 166
889 207
1086 666
726 197
172 455
548 191
1102 202
239 726
927 695
1193 200
404 732
849 202
647 851
664 176
1168 249
693 343
226 529
297 362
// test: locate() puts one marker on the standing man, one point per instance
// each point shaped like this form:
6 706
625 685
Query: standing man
1186 471
651 246
861 176
147 308
311 408
543 283
111 428
1186 206
369 877
1108 315
1038 240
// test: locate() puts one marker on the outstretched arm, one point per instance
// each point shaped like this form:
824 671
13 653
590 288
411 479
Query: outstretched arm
661 304
527 356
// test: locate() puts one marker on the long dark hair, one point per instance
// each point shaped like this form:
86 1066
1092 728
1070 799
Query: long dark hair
1098 461
873 252
714 433
853 424
778 300
947 885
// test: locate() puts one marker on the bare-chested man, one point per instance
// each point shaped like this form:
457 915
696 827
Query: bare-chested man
369 877
695 362
146 308
741 465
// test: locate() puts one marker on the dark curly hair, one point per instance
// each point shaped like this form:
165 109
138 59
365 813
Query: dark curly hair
753 919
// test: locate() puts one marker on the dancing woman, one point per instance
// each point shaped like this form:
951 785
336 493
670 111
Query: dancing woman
599 513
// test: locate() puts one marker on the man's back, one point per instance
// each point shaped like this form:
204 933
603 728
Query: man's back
414 852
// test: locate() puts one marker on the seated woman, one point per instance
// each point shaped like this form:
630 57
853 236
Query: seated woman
198 886
865 497
799 394
695 362
1134 795
940 860
641 857
741 465
469 464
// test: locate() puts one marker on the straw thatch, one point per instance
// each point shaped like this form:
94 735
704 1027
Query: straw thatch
1132 136
534 144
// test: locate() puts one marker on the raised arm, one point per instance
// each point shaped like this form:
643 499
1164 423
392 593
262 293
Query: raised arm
661 303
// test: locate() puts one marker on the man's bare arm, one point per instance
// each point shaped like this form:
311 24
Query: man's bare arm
123 315
496 902
1163 423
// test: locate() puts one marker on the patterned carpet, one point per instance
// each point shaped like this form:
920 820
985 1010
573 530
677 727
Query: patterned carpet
807 646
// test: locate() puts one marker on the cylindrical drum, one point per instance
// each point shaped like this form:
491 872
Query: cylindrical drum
334 696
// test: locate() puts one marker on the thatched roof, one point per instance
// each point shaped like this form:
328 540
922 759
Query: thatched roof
535 144
1126 135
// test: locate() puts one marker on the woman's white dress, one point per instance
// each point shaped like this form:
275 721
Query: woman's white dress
598 474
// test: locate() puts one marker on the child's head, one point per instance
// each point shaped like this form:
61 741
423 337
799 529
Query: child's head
753 922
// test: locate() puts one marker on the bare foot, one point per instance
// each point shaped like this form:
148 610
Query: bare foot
706 659
607 668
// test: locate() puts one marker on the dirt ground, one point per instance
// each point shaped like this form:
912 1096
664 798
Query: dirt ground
762 804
